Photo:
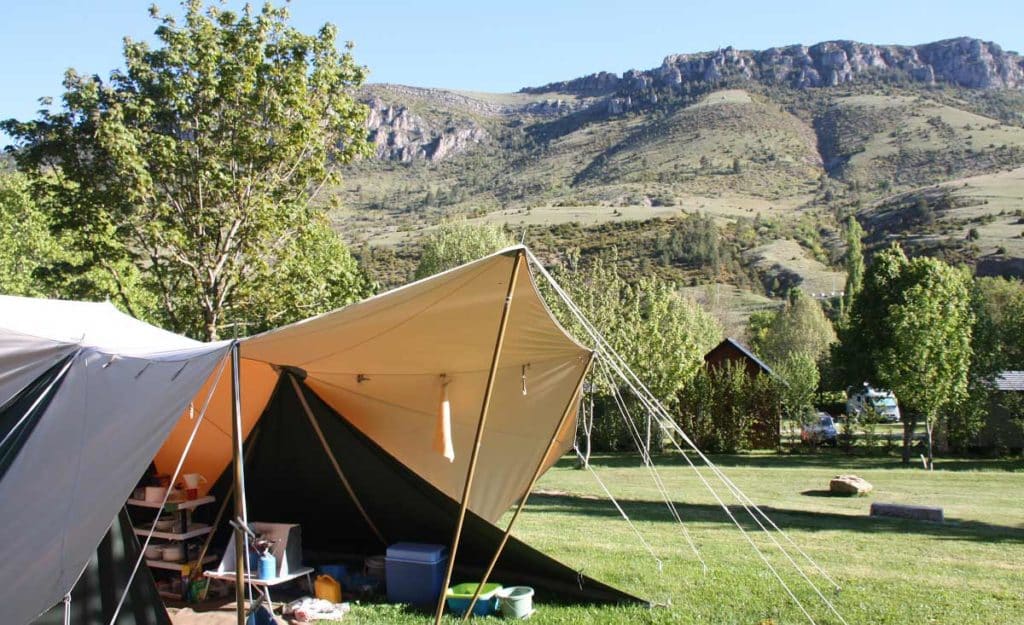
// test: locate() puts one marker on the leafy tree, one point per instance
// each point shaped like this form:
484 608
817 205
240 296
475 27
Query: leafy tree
922 213
724 408
25 241
912 330
694 242
867 332
658 332
757 327
854 262
315 267
454 243
801 327
998 334
997 344
186 180
799 376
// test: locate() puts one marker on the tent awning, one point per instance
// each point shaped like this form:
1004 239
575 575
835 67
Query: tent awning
380 363
132 392
120 388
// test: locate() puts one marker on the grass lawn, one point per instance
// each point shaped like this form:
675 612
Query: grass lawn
968 570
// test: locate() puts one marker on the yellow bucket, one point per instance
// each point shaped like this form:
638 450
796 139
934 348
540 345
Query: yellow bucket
327 588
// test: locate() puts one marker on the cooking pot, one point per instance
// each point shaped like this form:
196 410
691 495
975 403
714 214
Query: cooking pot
155 494
165 524
154 551
174 552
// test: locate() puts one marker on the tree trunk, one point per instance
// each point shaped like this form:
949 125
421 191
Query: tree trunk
908 437
928 428
209 324
588 425
648 442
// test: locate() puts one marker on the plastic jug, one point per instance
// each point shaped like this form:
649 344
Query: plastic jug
327 588
268 566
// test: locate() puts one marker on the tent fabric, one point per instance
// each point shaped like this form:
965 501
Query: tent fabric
132 393
87 324
127 384
23 358
289 479
380 362
210 453
94 598
21 414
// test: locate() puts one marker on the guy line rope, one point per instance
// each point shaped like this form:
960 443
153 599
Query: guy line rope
611 362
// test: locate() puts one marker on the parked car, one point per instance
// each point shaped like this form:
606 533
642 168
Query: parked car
881 402
821 430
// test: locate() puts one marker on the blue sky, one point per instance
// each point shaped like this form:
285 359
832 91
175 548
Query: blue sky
495 46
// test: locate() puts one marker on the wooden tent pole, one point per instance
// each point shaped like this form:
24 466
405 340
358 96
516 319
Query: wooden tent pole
241 553
533 482
471 471
334 461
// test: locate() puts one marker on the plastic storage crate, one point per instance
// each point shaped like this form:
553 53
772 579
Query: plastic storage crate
414 572
460 596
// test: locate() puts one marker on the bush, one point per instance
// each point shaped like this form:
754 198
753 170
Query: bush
725 410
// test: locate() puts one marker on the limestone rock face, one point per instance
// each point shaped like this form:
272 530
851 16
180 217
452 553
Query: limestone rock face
964 62
401 135
849 485
601 83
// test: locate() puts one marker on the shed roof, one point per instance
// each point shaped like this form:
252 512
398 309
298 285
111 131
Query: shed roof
736 345
1010 381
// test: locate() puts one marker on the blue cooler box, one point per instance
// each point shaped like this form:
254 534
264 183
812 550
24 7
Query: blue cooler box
414 573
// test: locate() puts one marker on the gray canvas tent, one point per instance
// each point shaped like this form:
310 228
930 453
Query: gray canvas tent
90 396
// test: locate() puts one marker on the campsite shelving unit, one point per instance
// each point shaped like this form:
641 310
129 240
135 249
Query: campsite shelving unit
183 513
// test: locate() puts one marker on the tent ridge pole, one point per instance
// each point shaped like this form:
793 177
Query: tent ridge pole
240 511
533 482
470 472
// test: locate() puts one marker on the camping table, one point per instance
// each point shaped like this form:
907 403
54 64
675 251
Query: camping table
263 585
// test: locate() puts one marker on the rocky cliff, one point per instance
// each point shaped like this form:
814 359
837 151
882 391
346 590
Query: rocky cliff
414 123
964 62
411 123
401 135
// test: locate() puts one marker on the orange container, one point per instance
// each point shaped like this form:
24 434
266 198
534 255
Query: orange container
327 588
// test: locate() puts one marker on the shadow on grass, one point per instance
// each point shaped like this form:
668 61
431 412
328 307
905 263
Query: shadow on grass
830 459
655 511
821 493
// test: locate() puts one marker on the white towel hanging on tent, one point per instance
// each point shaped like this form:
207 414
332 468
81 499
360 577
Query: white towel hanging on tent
443 429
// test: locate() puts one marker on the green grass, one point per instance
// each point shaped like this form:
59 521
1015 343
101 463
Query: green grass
731 305
969 570
989 204
909 140
786 256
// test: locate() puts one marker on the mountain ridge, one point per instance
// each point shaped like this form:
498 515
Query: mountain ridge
963 61
645 162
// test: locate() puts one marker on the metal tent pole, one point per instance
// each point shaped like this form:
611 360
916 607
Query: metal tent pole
240 512
533 482
471 471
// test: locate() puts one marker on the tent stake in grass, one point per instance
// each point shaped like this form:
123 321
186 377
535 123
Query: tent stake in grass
499 341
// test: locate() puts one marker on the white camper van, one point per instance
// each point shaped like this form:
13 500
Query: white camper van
867 398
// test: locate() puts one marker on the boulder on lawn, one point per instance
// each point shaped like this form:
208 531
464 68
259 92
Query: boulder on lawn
849 485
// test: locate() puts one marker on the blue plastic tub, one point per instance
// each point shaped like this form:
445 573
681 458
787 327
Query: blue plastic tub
337 571
414 573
